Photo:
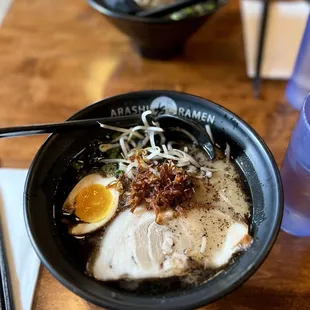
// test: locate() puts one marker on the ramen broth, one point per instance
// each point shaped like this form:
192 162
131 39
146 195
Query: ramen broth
222 189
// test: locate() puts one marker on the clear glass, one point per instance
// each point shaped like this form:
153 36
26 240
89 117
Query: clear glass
295 174
298 86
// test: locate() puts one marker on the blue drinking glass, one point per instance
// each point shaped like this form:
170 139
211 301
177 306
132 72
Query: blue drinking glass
295 174
298 86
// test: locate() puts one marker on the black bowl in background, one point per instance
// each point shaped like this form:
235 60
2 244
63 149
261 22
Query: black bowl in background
249 152
154 38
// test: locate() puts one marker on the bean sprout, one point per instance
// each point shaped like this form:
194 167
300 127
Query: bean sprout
165 149
124 146
227 152
119 129
152 139
209 132
113 161
151 134
143 117
105 147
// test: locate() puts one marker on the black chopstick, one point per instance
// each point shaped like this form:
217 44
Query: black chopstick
6 295
260 49
68 126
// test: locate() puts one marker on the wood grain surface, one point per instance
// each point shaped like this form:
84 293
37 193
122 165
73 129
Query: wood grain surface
58 56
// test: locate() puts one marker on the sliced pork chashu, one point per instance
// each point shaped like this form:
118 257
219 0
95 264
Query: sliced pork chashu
135 247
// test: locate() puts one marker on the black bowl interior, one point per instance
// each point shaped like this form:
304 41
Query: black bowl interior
156 38
250 154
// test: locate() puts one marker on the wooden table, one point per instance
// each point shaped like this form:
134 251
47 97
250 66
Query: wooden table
58 56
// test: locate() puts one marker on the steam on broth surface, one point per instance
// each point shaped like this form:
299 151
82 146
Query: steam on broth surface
155 211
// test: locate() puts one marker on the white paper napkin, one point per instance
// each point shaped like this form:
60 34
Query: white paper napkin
23 261
4 7
285 27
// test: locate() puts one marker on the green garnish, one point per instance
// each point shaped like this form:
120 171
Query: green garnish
118 173
114 153
115 135
78 165
194 10
108 169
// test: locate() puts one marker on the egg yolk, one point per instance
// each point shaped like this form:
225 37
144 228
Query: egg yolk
92 203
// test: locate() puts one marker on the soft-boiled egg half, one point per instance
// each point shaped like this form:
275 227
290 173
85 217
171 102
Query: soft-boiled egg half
93 201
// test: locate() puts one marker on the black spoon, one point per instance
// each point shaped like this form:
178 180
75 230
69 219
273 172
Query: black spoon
165 120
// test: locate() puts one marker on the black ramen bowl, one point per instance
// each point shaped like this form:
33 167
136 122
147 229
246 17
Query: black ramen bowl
156 38
250 153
